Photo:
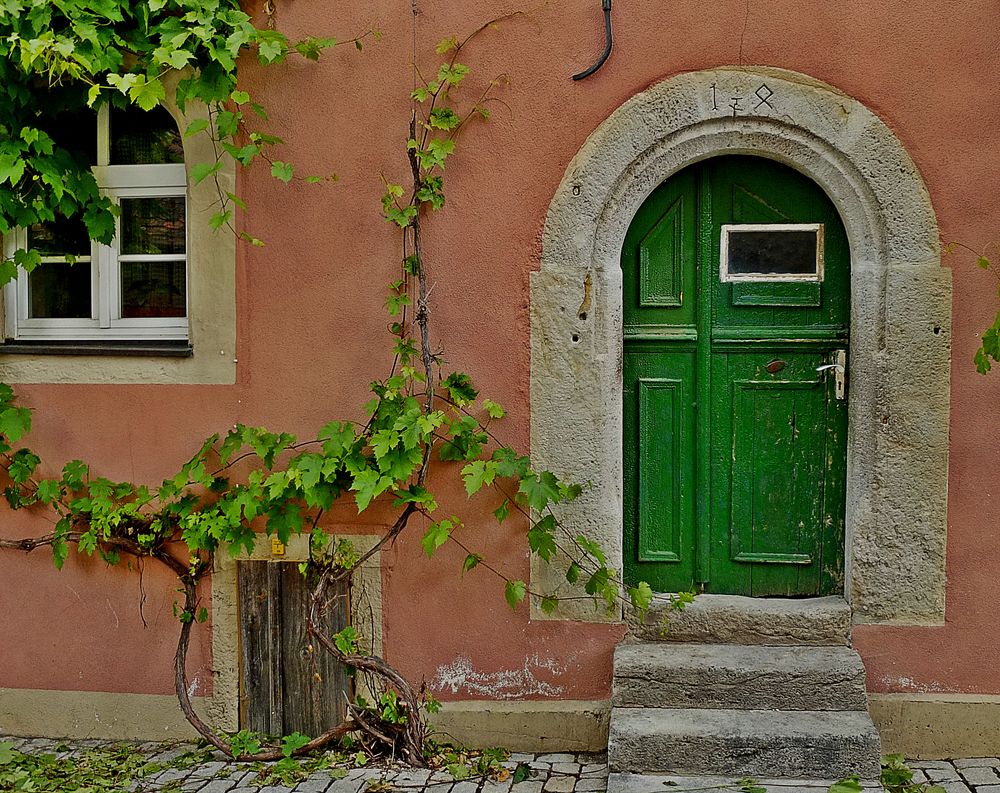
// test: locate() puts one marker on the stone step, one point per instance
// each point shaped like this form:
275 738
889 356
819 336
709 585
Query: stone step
733 619
660 783
675 675
745 743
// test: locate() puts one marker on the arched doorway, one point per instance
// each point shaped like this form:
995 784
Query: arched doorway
736 298
900 318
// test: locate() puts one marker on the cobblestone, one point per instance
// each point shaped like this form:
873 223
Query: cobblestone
941 775
980 775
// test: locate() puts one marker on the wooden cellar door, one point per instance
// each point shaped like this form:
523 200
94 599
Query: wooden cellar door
284 687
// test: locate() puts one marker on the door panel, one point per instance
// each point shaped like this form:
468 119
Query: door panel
735 441
659 504
769 473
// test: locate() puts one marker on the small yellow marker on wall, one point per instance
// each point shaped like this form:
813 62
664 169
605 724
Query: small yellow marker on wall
277 547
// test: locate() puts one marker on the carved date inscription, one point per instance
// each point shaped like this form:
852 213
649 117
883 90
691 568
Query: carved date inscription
756 102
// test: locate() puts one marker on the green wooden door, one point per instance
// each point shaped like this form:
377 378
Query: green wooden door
736 277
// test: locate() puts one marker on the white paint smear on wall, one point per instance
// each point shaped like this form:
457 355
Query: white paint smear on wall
460 676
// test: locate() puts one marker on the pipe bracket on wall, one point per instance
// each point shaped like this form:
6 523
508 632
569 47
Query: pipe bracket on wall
608 43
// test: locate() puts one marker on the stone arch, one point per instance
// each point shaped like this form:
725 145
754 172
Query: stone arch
900 314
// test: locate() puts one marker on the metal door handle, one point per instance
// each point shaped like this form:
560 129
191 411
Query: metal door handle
839 367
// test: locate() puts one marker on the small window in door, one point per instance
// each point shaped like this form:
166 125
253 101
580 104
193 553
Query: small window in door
772 252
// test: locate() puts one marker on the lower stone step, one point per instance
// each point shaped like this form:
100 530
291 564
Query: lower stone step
744 743
661 783
676 675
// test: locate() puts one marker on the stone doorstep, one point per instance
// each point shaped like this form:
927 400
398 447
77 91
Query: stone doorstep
734 619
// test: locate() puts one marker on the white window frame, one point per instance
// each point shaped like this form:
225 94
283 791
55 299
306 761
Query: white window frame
105 323
727 277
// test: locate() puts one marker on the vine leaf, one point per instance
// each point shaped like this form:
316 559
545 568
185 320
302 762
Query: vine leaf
514 593
282 170
437 535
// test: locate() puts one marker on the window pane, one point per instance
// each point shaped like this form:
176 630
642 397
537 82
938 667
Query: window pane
63 114
141 138
773 252
60 238
152 225
60 290
153 289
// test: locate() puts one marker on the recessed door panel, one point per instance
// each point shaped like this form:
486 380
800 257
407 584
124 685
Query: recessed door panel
660 476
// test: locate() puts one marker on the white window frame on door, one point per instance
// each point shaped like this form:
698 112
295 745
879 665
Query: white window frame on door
105 323
727 277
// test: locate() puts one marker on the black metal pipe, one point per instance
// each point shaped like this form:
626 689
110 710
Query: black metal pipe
608 43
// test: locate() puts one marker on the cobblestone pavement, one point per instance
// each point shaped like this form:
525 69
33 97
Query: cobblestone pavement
979 774
561 772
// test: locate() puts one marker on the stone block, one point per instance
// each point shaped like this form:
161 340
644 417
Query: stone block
810 744
685 675
733 619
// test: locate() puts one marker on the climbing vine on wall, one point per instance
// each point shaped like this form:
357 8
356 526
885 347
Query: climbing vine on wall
251 481
989 339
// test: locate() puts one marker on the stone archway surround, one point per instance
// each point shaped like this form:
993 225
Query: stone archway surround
900 354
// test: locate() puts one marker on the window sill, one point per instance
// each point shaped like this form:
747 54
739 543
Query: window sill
157 349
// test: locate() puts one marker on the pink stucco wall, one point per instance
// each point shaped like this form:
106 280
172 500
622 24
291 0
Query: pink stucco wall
311 326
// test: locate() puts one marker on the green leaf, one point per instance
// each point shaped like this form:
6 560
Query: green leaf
446 45
6 753
49 491
220 219
369 484
240 97
74 474
477 474
514 593
453 74
641 597
22 465
196 126
282 170
539 490
272 50
549 604
202 170
493 409
346 640
460 389
471 562
502 512
983 263
541 539
849 784
291 743
437 534
444 118
11 169
458 770
15 423
147 93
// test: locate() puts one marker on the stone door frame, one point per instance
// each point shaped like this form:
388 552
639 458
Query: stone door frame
900 352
